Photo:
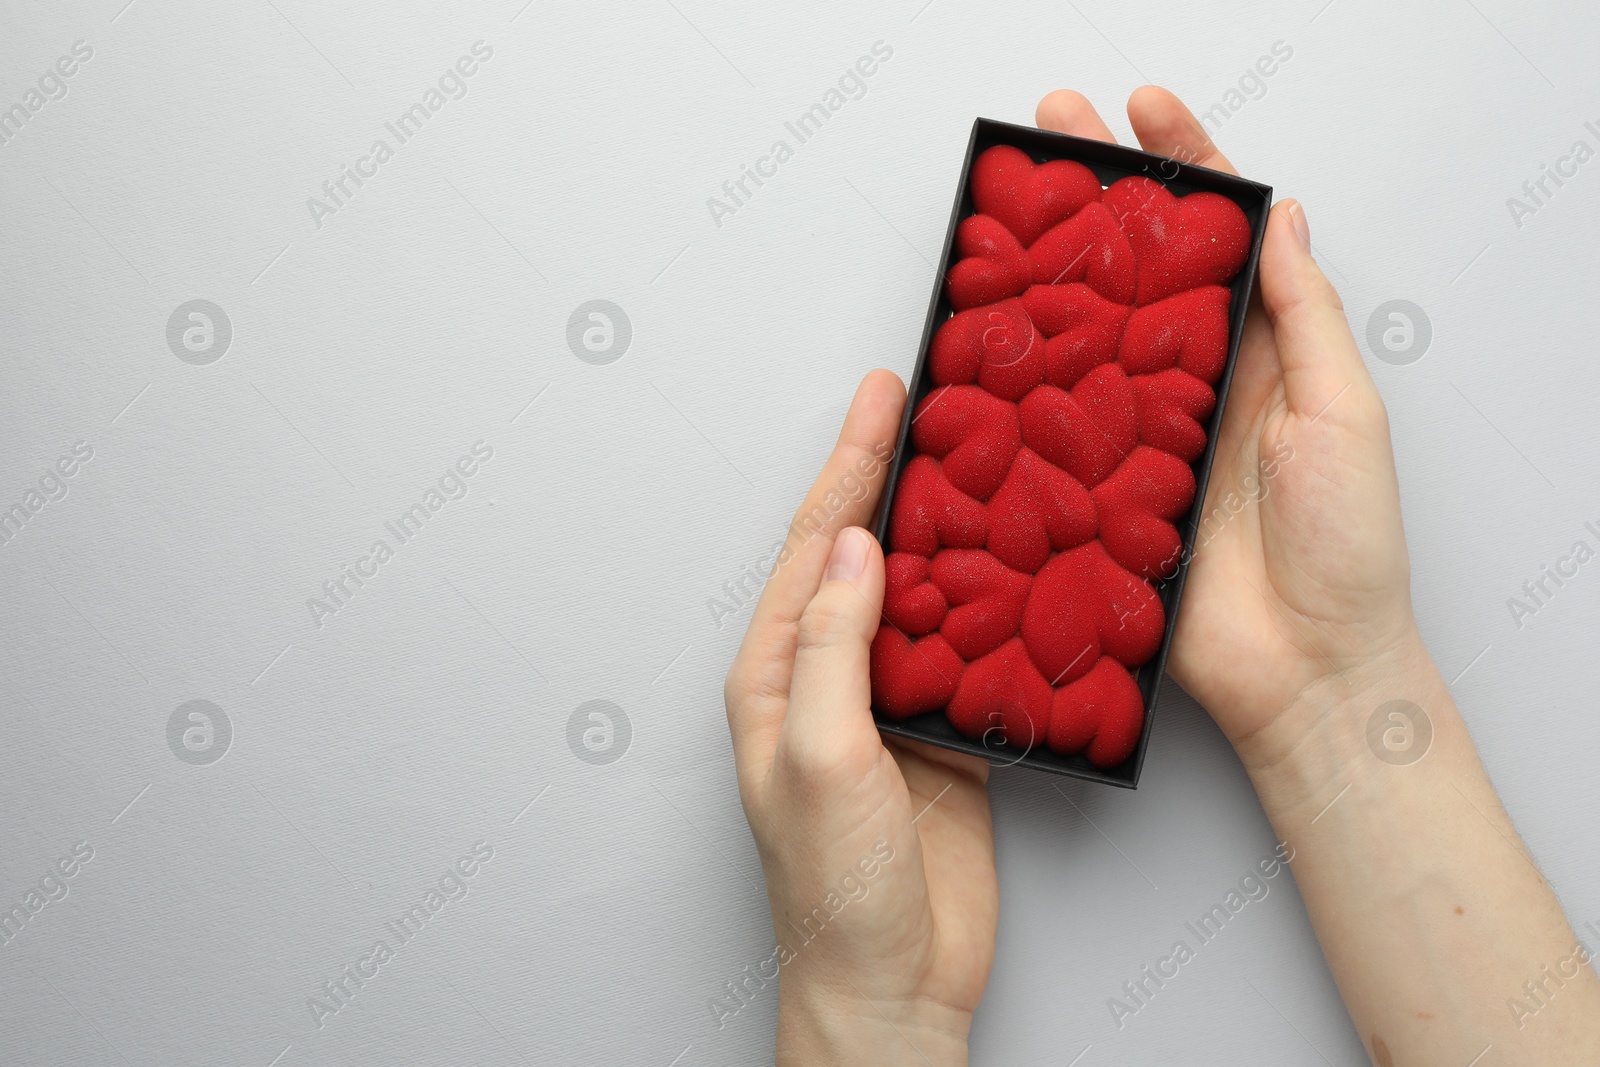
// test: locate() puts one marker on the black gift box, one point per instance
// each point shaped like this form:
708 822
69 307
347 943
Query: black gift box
1110 163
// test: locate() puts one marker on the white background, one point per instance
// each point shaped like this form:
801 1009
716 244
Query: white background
369 354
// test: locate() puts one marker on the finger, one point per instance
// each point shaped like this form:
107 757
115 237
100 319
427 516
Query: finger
1256 375
1066 111
1318 355
1168 128
845 494
830 700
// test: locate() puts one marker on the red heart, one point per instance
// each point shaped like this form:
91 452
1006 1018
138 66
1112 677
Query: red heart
929 513
1136 505
1027 197
909 678
1083 327
986 598
1189 331
1088 431
975 434
1180 243
1089 247
995 346
911 602
1003 696
1039 507
1083 606
993 265
1171 405
1102 712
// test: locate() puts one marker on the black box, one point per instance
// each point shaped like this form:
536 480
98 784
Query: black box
1110 163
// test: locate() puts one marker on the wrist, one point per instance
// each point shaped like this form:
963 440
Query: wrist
1385 709
843 1027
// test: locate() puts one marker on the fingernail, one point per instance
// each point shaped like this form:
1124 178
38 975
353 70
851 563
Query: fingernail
849 556
1302 229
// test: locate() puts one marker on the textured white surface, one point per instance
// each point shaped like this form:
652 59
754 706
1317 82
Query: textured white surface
370 354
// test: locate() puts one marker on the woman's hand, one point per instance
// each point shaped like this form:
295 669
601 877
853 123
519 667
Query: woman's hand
1299 585
1296 627
878 853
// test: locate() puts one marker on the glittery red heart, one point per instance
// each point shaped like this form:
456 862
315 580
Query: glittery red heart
1027 197
996 347
1180 242
993 265
973 432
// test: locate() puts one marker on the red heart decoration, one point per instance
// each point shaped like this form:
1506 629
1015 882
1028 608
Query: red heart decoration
986 601
1083 327
911 602
1074 379
1189 331
974 433
993 265
930 513
909 678
1004 693
1083 606
1086 432
1027 197
1136 506
1102 712
1170 406
1039 507
1091 248
995 346
1179 243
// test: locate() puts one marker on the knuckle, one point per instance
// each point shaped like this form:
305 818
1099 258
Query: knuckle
809 764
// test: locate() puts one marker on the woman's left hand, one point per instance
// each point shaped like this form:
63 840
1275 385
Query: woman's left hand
878 853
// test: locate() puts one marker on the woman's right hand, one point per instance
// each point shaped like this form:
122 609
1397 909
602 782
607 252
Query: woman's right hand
1299 585
1296 631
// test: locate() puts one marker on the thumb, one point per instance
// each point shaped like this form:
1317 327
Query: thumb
1316 351
830 695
